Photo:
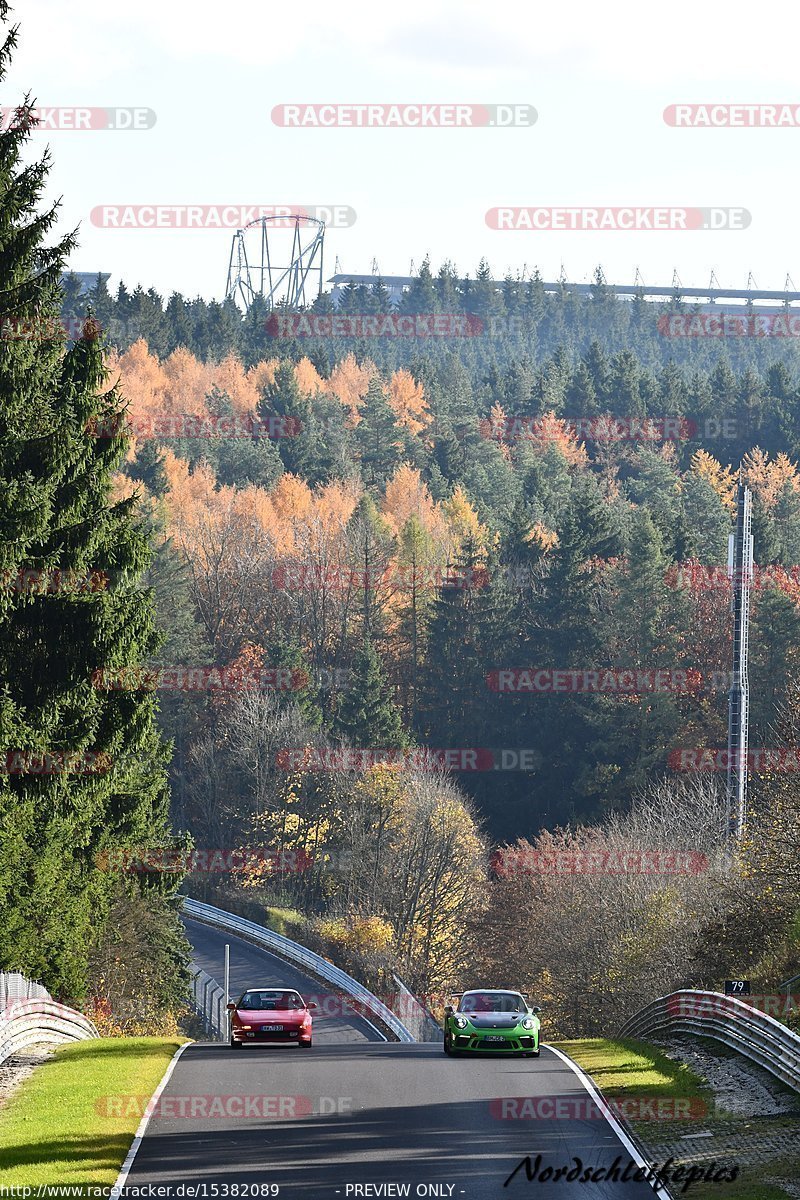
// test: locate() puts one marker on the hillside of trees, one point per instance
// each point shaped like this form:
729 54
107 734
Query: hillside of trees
259 595
377 540
395 551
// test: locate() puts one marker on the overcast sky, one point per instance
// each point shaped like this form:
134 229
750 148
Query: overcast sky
598 74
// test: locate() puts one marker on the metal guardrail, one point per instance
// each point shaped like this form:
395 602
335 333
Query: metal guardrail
294 952
29 1022
726 1019
14 986
208 1001
416 1017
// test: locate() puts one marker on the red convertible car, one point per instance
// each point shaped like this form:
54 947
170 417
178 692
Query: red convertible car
271 1015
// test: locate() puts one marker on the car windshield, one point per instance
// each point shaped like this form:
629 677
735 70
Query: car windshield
270 1000
485 1002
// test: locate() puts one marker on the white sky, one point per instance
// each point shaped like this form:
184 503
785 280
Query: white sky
599 75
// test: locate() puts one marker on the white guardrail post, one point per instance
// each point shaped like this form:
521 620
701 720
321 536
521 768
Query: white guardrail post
738 1025
29 1022
294 952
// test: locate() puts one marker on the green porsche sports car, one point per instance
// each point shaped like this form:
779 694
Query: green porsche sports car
491 1020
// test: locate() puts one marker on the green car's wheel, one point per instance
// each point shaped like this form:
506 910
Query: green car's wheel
448 1045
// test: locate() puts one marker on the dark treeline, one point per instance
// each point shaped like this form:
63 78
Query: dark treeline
516 320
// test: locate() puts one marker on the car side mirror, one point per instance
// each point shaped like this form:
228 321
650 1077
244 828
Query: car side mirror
448 1008
231 1007
311 1004
536 1008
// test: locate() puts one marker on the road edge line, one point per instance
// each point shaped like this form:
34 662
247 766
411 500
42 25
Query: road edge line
605 1108
124 1170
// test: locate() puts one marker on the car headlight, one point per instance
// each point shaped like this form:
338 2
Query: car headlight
460 1022
527 1023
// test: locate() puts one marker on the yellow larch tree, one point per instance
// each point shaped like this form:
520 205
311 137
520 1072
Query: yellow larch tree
407 400
722 479
349 382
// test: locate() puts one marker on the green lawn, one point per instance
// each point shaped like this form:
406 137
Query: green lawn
627 1068
54 1130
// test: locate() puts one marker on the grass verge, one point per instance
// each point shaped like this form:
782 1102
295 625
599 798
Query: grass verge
633 1072
53 1129
286 921
627 1069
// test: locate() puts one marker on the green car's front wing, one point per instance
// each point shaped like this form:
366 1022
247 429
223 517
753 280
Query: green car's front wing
472 1039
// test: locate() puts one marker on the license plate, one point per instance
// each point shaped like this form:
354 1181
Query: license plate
272 1029
494 1038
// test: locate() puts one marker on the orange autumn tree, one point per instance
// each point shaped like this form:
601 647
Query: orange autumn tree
407 400
349 383
237 384
187 382
309 380
262 375
142 376
221 535
550 430
406 495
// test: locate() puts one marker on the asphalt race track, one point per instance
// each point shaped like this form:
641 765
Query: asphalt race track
252 967
356 1111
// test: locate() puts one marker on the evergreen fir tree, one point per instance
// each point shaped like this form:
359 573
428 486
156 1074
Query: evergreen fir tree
106 784
378 436
367 715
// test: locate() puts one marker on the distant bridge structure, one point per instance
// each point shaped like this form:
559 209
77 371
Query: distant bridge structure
715 298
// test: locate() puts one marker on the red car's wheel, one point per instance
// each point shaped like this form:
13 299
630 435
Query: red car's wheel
306 1045
235 1045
